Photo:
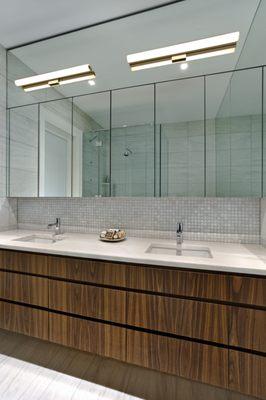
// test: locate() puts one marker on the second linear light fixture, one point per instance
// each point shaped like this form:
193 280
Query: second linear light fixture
61 77
180 53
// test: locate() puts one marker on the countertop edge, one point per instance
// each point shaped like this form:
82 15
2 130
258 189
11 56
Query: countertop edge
139 261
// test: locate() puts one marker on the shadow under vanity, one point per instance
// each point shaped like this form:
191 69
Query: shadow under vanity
201 325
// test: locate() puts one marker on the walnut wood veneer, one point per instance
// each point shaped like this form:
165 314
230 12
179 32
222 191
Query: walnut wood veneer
203 326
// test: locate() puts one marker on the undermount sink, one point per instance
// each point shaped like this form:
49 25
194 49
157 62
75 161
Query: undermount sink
183 251
38 239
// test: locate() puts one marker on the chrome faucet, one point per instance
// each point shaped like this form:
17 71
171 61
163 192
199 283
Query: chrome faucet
179 234
57 225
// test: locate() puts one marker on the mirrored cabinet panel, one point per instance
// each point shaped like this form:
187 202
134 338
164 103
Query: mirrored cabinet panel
234 134
200 136
55 148
24 151
91 145
180 122
132 142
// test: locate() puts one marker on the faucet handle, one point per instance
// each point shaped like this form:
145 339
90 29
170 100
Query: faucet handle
179 227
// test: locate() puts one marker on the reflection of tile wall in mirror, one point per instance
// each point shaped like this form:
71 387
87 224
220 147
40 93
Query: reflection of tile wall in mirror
23 133
91 145
234 141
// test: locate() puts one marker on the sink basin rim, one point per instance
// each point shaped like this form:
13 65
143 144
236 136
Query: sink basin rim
38 238
167 249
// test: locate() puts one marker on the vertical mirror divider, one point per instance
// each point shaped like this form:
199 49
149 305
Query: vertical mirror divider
38 154
8 153
72 144
262 131
205 137
110 144
157 150
154 143
7 189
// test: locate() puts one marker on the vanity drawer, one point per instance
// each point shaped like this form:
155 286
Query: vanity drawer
178 282
88 301
24 288
98 338
248 290
247 374
24 262
248 329
183 317
179 357
91 271
24 320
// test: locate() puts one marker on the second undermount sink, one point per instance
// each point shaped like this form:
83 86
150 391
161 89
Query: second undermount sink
183 251
46 239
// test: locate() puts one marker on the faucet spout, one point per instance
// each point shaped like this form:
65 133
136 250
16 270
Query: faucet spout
179 236
57 226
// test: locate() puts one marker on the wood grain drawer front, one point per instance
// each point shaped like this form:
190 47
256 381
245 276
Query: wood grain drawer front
247 374
248 329
182 317
87 271
24 320
23 288
24 262
89 301
248 290
178 282
103 339
208 364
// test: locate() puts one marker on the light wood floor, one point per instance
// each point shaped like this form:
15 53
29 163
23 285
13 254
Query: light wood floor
35 370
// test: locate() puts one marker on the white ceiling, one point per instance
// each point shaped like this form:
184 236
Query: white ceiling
28 20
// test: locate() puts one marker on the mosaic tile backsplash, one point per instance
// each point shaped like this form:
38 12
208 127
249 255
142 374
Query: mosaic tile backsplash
215 219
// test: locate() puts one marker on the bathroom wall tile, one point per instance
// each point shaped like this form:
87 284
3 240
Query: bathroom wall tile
2 61
240 124
2 90
3 172
2 121
263 221
235 219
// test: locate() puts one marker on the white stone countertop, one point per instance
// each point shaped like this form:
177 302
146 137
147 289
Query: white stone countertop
226 257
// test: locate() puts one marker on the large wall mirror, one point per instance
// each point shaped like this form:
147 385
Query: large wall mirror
161 131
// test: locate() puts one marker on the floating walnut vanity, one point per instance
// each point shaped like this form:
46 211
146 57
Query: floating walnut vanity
201 325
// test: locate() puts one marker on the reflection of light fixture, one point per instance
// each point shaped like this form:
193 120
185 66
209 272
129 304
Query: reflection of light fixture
62 77
184 66
91 83
203 48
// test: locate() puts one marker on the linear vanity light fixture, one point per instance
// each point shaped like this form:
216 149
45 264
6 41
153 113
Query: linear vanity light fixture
62 77
184 52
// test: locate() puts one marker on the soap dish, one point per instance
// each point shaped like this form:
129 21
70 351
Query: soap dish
112 240
113 235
